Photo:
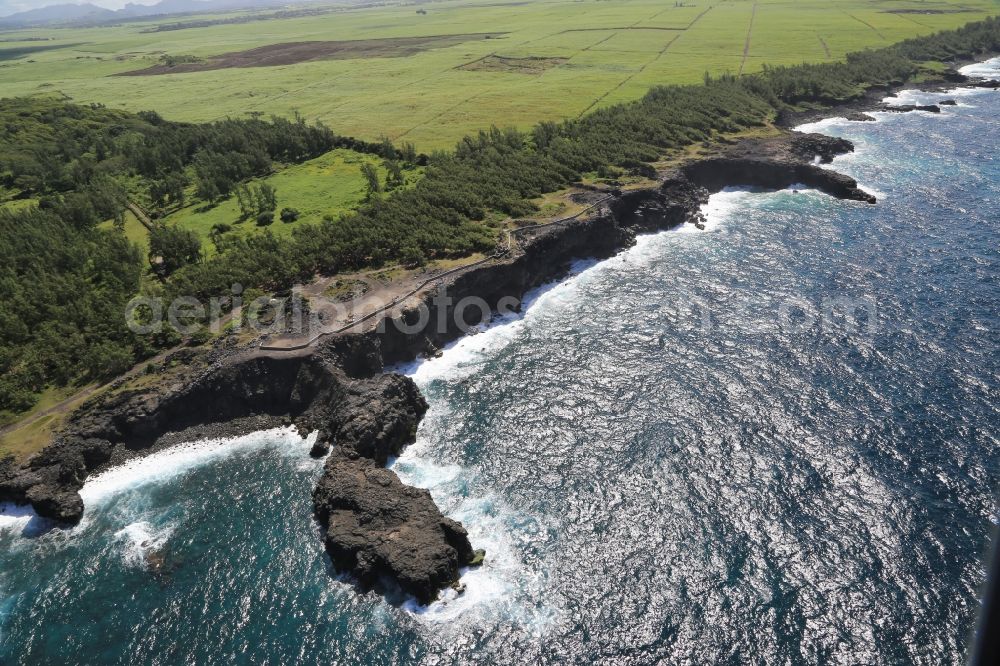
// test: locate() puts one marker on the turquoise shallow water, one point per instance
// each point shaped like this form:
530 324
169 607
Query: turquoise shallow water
685 453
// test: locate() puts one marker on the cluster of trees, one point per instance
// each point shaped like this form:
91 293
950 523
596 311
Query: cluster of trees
51 148
394 178
64 282
171 247
63 289
258 202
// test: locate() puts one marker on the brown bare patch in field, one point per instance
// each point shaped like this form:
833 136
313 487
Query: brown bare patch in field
291 53
925 11
528 65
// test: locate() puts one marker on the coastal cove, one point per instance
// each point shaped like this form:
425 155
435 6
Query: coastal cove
524 598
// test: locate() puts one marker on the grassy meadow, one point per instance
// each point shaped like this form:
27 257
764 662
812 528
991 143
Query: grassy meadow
326 186
607 50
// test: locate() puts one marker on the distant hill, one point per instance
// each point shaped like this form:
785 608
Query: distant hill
57 14
67 14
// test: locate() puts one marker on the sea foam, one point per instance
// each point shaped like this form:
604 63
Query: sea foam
142 538
15 516
821 126
984 70
720 208
466 355
170 463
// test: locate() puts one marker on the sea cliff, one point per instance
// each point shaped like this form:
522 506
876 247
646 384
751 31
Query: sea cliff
374 526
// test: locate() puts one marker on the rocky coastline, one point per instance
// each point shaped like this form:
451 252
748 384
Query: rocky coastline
858 109
374 526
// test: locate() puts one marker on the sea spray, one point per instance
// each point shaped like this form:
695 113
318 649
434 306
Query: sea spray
164 466
141 540
15 516
984 70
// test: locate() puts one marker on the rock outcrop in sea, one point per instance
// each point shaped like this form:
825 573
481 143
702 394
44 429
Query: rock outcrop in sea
376 526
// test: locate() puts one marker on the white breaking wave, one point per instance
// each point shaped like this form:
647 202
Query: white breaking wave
466 355
502 584
15 516
142 539
915 96
172 462
984 70
720 208
820 126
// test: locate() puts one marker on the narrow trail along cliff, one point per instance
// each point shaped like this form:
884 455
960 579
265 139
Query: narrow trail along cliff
373 525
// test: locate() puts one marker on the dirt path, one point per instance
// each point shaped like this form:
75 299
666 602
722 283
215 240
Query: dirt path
73 401
371 306
826 48
746 44
60 406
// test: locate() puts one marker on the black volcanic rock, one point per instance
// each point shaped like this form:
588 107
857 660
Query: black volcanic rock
375 526
808 147
320 448
908 108
777 163
953 75
858 116
675 202
379 417
56 502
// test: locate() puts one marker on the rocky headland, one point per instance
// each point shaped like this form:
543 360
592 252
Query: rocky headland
374 526
858 109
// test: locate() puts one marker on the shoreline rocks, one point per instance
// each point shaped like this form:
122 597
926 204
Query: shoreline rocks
871 100
373 525
859 117
778 163
909 108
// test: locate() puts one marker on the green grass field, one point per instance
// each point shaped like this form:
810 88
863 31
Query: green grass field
609 51
328 185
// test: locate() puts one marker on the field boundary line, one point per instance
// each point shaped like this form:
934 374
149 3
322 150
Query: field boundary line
826 48
864 22
647 63
746 44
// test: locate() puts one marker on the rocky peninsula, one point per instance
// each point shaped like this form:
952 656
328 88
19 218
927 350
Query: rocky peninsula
374 526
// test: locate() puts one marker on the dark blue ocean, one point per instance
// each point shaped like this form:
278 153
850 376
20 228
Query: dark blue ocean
776 440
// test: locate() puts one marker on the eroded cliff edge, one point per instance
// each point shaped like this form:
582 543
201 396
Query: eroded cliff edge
373 525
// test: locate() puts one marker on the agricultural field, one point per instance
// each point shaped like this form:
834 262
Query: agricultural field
430 73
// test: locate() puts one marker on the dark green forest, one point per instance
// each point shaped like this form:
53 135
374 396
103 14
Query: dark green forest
65 281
